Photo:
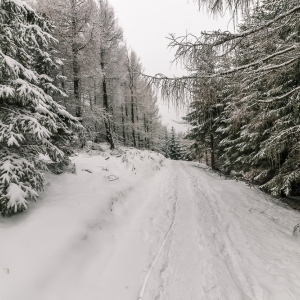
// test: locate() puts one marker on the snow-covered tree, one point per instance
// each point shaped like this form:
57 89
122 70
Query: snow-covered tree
102 76
254 118
32 124
110 36
174 149
165 143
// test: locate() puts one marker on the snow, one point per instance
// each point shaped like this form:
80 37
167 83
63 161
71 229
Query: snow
6 91
22 4
64 113
16 67
12 141
42 109
16 196
160 230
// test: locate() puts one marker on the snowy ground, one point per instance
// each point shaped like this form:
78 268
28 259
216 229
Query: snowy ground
171 232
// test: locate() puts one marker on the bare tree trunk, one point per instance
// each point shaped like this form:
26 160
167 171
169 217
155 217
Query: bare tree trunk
76 81
123 124
91 100
137 125
127 131
146 132
132 117
107 122
212 152
75 65
95 93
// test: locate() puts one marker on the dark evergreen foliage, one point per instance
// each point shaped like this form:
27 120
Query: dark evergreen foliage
32 124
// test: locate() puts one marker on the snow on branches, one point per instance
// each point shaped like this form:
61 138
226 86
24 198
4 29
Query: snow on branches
244 89
31 122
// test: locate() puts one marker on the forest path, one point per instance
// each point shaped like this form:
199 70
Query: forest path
178 232
226 241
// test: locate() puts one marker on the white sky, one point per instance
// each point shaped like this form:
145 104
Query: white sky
147 23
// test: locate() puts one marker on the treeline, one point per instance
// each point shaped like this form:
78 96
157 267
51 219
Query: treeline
175 146
245 92
66 77
100 75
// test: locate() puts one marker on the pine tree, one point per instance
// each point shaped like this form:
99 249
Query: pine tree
262 122
32 124
174 146
165 144
255 124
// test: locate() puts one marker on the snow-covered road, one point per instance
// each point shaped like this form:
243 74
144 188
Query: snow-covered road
181 234
210 238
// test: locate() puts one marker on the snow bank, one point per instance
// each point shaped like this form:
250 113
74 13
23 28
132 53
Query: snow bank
48 239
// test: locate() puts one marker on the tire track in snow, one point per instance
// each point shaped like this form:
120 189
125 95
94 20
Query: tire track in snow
210 250
153 264
180 270
265 263
227 254
234 257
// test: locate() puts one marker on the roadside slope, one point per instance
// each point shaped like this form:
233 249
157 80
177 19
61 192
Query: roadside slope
59 248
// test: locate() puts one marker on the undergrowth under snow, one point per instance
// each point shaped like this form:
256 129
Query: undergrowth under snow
133 225
36 242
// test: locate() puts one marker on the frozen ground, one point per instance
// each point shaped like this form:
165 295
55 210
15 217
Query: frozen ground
176 232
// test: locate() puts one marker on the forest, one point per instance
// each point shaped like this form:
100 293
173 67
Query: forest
68 78
127 207
243 93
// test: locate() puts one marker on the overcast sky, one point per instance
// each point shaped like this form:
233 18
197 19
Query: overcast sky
147 23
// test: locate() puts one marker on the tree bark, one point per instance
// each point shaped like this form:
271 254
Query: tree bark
75 65
137 124
212 152
146 132
107 123
132 117
76 81
123 125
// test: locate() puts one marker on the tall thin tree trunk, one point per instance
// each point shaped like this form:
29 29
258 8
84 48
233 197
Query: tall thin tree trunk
123 124
91 100
132 117
95 93
145 129
107 122
127 131
75 66
212 152
137 126
76 82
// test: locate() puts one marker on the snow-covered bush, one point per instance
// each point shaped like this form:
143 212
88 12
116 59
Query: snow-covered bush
31 122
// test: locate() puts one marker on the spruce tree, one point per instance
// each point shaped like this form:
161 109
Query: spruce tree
32 124
166 144
174 146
